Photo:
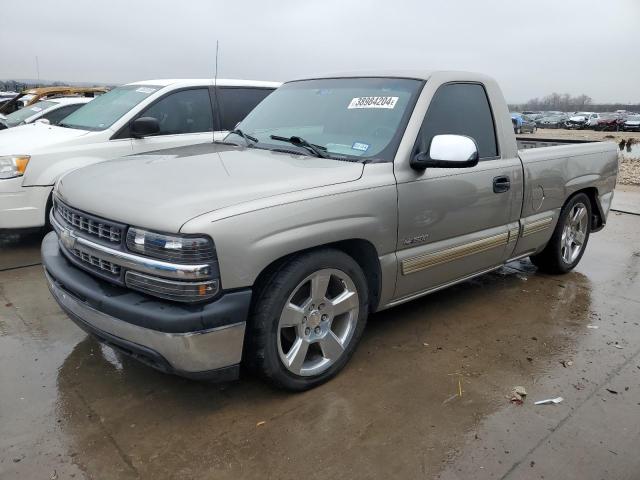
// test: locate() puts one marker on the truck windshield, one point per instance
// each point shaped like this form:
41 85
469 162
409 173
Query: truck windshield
105 110
362 118
16 118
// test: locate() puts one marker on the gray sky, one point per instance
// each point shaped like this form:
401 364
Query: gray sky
532 47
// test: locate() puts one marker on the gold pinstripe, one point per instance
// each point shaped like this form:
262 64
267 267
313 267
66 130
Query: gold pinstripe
536 226
428 260
513 233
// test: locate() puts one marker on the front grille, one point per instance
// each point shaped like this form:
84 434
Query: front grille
96 262
93 226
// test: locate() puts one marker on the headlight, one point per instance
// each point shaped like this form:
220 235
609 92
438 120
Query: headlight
173 248
183 249
12 166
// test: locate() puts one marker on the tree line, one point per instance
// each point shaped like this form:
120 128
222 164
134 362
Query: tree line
18 86
565 102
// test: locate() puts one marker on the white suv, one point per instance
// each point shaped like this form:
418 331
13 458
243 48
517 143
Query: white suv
134 118
50 111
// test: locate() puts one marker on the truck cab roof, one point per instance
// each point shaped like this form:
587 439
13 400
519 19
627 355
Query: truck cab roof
401 73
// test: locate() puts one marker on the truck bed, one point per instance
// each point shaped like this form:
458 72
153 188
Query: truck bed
555 169
528 142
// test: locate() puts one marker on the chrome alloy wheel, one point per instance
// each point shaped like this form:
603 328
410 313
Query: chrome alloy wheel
574 233
317 322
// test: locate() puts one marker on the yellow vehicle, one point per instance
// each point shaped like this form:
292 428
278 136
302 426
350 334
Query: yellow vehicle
33 95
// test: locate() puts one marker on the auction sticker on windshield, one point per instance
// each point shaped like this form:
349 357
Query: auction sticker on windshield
145 90
373 102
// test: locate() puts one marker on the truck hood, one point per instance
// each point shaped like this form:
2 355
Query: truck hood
578 118
165 189
25 139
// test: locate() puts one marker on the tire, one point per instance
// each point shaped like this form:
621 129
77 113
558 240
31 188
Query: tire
569 239
298 340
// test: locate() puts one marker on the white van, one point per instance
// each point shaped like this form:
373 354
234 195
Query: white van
134 118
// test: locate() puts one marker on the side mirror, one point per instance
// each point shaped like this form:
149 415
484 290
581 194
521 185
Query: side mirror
448 151
43 120
144 126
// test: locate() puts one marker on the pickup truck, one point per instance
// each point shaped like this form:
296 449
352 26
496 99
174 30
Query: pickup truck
334 198
133 118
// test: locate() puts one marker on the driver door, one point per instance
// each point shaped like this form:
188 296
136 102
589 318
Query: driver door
456 222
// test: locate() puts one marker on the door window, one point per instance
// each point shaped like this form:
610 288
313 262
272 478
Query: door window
461 109
236 103
186 111
58 114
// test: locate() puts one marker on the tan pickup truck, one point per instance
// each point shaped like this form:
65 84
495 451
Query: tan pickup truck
334 198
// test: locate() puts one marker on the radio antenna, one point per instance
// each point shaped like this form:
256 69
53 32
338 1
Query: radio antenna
216 105
215 75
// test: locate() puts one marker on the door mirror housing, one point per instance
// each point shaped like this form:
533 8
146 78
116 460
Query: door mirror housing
144 127
448 151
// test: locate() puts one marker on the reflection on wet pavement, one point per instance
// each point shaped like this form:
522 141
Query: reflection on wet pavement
72 406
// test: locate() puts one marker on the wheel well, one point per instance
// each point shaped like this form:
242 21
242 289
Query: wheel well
47 206
362 251
597 216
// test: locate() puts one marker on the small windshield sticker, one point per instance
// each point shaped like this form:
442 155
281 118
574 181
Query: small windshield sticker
363 147
373 102
145 90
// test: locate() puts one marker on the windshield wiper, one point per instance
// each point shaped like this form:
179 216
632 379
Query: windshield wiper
67 125
317 150
245 136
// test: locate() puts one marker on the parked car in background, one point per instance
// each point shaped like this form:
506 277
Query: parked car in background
632 124
134 118
33 95
552 121
335 198
523 123
6 96
608 122
580 120
47 111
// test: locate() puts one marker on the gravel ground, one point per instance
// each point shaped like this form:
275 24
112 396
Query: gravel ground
629 171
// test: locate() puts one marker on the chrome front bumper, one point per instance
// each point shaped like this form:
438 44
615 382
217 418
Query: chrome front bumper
190 352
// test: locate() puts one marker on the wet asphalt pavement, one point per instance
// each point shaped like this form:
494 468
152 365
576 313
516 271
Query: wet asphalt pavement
71 408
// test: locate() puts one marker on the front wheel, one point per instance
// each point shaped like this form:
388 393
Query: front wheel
569 239
308 319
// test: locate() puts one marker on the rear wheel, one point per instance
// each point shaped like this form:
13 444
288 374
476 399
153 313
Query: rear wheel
308 319
569 239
